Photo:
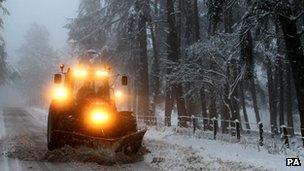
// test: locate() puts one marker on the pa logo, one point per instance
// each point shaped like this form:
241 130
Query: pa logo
293 162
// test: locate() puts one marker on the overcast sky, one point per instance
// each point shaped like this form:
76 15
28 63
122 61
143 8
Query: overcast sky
51 13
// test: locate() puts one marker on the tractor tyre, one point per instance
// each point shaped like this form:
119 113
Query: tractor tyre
52 139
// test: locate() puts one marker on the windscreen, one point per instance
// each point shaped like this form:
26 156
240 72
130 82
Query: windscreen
92 88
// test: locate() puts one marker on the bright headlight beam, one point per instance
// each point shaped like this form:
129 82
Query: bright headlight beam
118 94
80 73
101 73
99 117
60 93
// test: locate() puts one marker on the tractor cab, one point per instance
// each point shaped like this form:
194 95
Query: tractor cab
86 83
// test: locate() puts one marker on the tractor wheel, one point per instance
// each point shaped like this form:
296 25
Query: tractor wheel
129 124
52 140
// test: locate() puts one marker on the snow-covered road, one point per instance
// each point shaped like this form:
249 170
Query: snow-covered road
23 146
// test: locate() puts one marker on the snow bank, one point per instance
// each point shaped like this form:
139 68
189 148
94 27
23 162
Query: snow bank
39 114
175 157
170 151
23 148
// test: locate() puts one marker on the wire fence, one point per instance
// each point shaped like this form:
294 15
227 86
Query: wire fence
228 130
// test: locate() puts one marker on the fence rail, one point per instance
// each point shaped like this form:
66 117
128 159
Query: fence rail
232 128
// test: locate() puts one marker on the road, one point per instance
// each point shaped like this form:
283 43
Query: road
23 146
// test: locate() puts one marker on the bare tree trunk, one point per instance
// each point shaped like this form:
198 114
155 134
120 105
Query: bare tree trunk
172 54
296 58
185 32
271 96
133 62
168 106
143 84
204 106
173 42
247 58
281 92
196 22
254 100
288 100
234 93
225 109
161 29
232 86
243 104
180 103
155 70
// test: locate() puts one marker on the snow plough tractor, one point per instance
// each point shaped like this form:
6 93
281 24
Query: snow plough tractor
83 112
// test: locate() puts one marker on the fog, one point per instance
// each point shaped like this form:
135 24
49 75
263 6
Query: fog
51 13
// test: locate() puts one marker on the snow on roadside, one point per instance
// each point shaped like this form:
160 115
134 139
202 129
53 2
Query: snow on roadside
22 148
2 127
165 156
39 114
183 152
9 97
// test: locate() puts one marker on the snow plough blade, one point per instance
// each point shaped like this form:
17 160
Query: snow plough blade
130 143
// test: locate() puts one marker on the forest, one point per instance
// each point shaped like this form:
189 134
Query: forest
225 59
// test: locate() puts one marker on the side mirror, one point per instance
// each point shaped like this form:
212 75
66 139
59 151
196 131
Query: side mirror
124 80
61 67
57 78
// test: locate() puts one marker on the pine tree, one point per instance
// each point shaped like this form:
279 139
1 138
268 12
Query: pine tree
142 7
87 31
247 59
3 55
37 60
174 92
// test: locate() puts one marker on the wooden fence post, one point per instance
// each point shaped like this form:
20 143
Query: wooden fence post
194 123
285 135
261 132
238 131
205 123
214 127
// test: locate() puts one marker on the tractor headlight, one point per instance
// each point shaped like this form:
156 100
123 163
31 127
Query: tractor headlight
99 116
118 95
60 93
80 73
102 74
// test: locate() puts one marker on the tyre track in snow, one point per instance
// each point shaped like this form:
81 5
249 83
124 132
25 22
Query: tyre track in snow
3 160
17 122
